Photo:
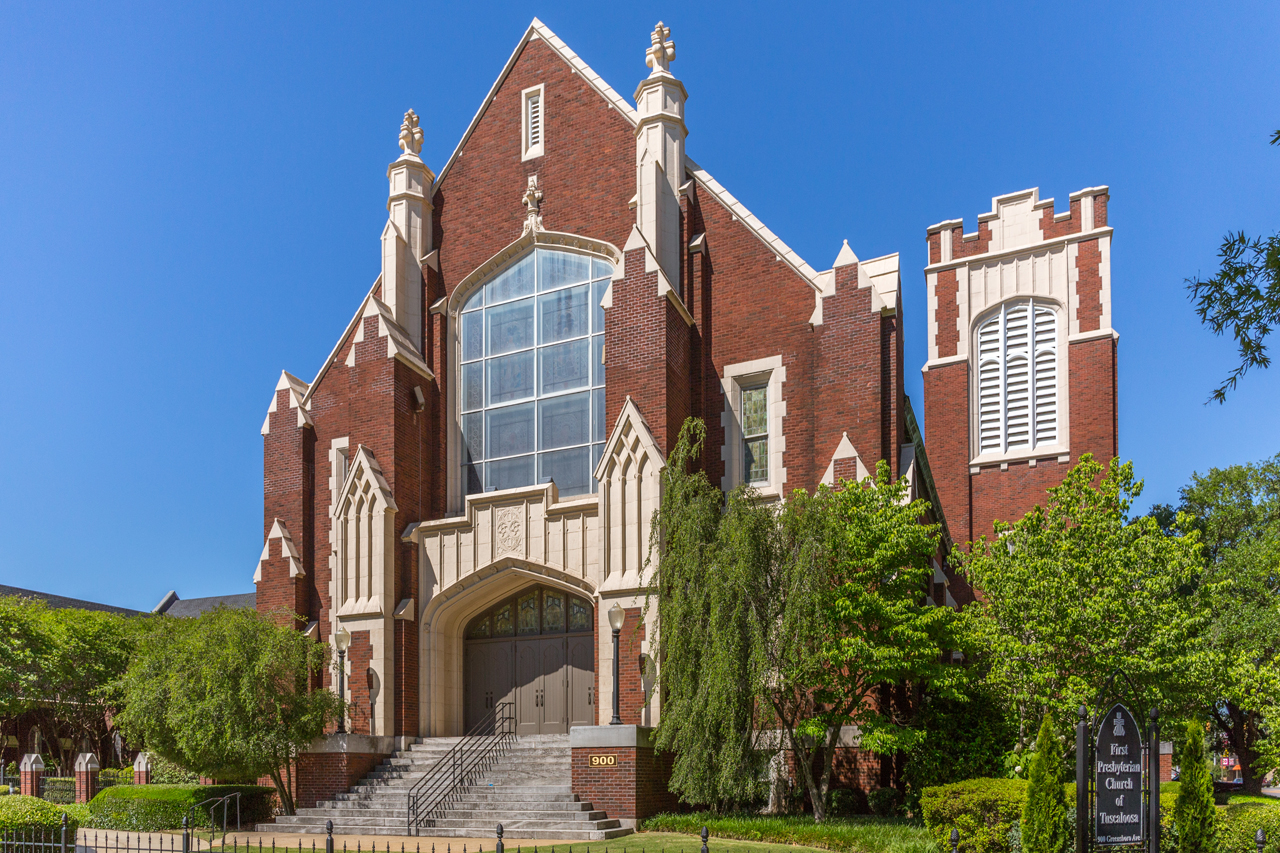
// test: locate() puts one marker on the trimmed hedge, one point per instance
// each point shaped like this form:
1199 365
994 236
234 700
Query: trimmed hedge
1239 823
984 810
153 808
19 813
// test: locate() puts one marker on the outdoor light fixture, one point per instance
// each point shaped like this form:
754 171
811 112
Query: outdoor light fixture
341 641
617 616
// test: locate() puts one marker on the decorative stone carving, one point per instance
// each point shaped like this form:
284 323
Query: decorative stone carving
662 51
411 134
532 200
508 530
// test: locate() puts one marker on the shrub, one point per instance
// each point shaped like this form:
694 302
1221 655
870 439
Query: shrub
1044 818
963 739
885 802
20 813
1239 823
1193 810
153 808
984 810
165 772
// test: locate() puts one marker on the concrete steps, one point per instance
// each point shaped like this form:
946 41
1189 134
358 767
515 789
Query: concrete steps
525 790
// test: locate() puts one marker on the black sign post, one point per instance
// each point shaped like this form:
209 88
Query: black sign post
1117 781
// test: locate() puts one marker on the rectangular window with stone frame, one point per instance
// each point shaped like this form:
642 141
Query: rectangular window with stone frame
755 434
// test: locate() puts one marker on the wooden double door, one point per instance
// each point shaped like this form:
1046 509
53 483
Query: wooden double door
548 676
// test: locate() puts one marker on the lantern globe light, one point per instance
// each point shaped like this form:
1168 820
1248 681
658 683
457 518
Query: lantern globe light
617 616
342 639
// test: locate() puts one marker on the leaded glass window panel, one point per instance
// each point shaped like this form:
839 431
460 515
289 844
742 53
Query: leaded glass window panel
532 353
527 610
755 434
552 613
579 615
502 622
480 630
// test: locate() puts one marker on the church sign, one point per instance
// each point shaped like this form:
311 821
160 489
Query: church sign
1118 788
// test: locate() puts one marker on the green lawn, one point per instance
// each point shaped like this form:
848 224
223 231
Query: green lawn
847 835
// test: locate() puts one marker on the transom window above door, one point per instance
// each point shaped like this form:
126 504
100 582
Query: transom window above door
535 610
532 374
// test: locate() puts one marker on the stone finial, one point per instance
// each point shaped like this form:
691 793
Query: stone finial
662 51
532 200
411 134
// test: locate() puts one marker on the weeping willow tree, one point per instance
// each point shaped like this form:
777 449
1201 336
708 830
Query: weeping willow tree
782 623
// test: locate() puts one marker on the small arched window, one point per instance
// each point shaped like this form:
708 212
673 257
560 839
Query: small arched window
1017 349
532 375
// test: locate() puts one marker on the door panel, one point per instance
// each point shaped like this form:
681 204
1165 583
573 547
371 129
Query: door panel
582 709
554 692
473 669
501 677
528 688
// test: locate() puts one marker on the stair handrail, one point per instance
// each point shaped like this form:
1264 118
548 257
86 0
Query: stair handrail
486 740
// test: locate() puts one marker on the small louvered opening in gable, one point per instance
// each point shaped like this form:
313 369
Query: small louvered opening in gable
1017 377
532 122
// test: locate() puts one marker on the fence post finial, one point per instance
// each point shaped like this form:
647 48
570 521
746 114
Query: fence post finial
955 839
1260 838
705 834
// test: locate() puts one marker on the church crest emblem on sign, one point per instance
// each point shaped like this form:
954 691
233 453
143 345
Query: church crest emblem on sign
509 529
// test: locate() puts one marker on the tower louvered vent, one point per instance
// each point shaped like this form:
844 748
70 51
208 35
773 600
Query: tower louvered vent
1018 378
534 122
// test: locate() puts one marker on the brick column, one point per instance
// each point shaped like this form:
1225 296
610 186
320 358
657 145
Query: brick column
29 773
615 769
142 769
86 776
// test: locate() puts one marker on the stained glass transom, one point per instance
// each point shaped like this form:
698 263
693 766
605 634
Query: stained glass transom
538 610
532 375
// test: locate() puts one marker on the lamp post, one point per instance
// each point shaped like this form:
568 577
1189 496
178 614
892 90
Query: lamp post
616 617
340 641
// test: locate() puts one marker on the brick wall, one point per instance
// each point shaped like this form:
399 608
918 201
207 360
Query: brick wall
360 654
322 775
632 790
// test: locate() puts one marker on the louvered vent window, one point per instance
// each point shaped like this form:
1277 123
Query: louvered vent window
534 132
1018 378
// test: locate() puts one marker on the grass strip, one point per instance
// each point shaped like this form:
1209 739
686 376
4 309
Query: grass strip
848 835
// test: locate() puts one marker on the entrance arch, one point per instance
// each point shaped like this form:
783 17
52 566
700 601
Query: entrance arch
534 649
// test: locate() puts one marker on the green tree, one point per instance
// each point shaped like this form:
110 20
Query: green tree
1236 511
1045 825
1193 812
1073 590
782 624
228 695
26 641
1244 296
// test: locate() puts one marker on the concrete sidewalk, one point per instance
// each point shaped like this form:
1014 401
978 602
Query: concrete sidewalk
110 841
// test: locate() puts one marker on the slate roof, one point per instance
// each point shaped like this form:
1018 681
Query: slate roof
171 605
62 602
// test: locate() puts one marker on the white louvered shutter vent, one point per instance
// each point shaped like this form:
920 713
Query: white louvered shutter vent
989 396
535 120
1017 376
1046 391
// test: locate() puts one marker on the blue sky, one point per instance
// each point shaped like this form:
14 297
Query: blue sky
191 198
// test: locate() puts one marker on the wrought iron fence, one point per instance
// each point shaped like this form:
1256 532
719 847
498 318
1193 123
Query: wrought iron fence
58 789
115 776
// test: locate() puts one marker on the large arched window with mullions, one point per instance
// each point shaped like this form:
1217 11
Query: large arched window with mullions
532 374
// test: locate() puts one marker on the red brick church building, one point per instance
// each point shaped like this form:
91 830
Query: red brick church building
466 485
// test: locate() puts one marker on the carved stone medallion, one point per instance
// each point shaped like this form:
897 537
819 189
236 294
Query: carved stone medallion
509 530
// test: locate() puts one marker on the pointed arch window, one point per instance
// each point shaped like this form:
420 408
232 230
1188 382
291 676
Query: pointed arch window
1017 377
532 374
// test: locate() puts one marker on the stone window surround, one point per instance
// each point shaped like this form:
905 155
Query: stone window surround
1060 450
529 152
771 373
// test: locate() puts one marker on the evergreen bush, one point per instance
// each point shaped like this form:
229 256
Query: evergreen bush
1193 817
1044 817
21 814
1238 825
984 810
154 808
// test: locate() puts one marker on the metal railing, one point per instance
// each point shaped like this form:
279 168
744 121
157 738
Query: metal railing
473 754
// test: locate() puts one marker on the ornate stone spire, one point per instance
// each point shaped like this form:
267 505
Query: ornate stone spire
662 51
532 200
411 134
